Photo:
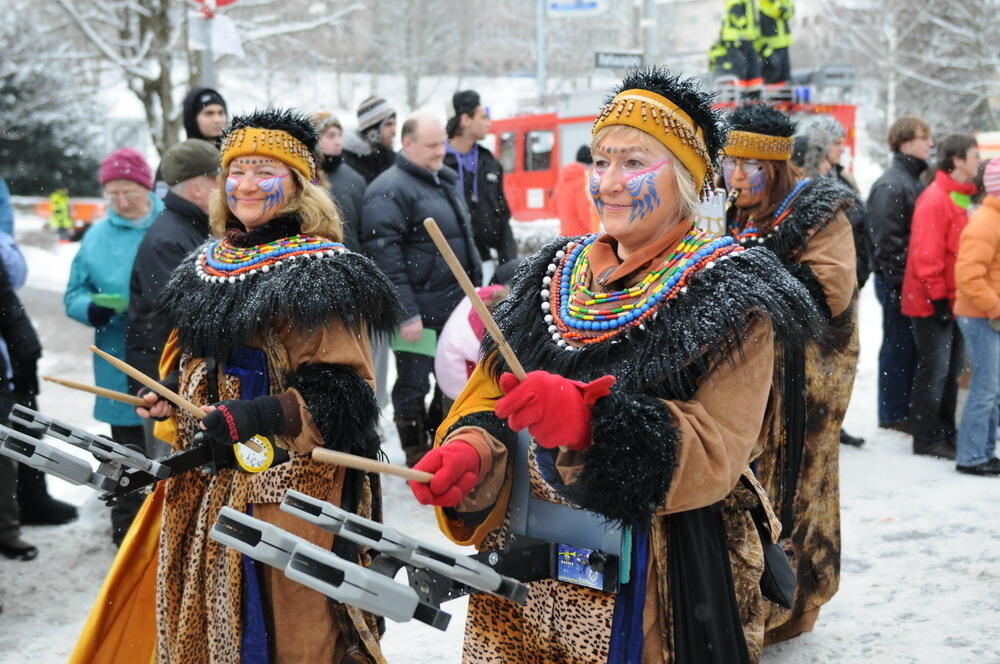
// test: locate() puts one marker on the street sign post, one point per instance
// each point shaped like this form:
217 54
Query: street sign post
617 59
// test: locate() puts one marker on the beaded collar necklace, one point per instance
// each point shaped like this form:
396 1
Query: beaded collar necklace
221 262
569 307
751 234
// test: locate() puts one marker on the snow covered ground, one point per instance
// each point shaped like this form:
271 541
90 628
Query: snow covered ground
921 562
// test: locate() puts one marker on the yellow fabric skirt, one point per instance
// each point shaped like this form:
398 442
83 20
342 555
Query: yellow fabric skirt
121 627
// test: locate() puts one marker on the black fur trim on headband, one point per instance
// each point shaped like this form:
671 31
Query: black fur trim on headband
761 118
679 344
628 468
215 318
810 211
342 405
288 120
686 93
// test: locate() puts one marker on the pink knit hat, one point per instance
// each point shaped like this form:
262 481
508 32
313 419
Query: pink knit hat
127 164
991 178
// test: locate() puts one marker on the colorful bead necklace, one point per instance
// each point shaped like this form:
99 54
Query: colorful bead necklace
568 308
222 262
751 234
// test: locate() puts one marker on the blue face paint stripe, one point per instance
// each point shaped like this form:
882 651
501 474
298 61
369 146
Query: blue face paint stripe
275 192
642 202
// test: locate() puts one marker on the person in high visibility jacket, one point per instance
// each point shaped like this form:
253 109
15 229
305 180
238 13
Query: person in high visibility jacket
740 31
774 39
61 220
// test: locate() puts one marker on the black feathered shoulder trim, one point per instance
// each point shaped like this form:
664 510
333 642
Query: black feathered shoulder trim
214 318
342 405
631 461
810 211
667 356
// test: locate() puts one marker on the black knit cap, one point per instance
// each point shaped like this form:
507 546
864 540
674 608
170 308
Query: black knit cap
760 118
288 120
465 101
686 93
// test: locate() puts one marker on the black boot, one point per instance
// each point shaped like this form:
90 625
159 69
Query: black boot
12 546
413 438
38 508
848 439
937 448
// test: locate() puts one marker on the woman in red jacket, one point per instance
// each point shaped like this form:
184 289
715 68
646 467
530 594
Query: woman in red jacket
929 293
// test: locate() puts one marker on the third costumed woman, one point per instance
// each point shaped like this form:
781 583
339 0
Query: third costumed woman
650 354
804 223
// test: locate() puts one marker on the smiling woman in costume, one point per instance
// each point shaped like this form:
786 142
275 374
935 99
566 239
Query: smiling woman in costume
638 342
804 223
273 320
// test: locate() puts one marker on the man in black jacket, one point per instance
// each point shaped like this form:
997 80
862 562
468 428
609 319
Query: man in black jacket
369 149
190 169
481 176
395 206
890 212
347 187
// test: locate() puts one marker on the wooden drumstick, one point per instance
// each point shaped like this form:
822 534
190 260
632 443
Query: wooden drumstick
463 280
324 455
99 391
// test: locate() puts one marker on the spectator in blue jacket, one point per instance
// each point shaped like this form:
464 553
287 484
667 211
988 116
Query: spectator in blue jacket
6 210
97 293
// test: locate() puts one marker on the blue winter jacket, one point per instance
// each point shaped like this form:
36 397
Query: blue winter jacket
104 265
6 209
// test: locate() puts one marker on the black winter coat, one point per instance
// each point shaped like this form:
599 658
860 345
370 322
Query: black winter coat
347 188
368 160
180 229
890 212
23 348
393 234
858 216
490 212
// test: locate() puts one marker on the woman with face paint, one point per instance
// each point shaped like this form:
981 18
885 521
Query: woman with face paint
272 318
637 342
804 223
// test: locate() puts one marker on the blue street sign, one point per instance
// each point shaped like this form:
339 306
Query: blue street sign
575 8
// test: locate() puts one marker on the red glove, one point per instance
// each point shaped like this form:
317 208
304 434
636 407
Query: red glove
555 410
455 467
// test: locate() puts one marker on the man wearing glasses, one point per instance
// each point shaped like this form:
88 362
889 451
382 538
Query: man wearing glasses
890 213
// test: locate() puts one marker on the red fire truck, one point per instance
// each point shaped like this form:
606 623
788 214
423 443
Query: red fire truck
532 147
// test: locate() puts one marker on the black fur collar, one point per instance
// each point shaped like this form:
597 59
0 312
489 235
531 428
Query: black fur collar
668 357
279 227
811 210
215 318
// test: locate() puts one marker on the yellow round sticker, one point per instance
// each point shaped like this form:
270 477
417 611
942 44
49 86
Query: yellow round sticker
252 461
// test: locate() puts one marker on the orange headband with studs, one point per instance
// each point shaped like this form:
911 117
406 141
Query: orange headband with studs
666 122
751 145
274 143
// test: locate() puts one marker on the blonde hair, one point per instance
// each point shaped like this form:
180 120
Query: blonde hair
312 203
687 192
